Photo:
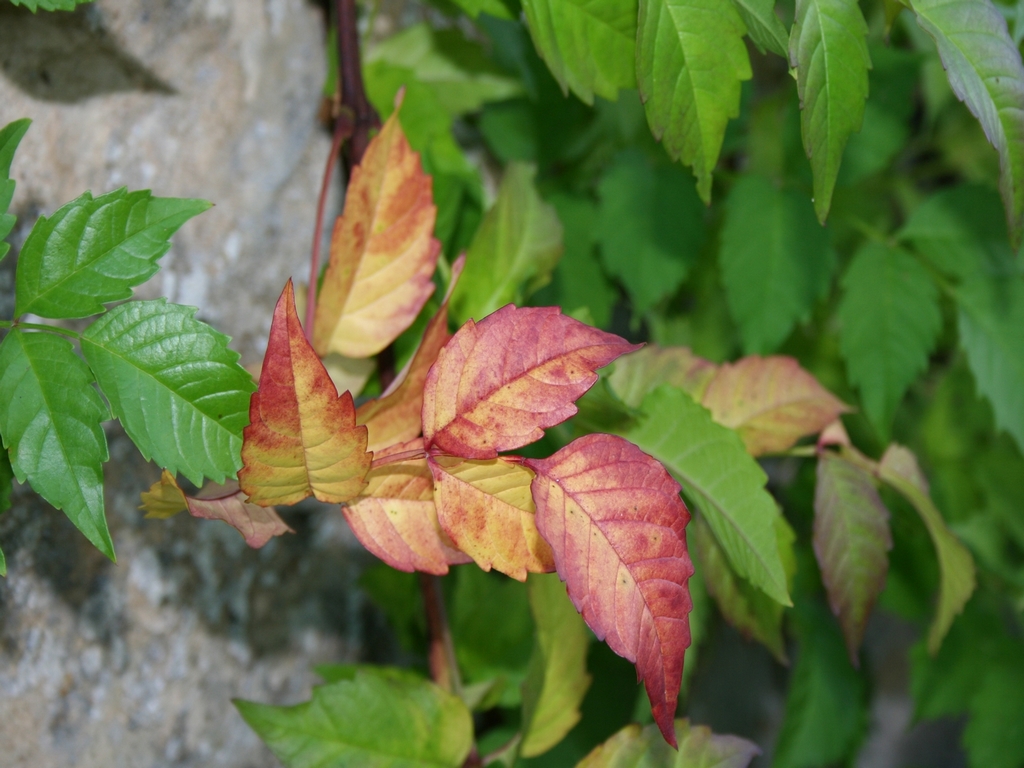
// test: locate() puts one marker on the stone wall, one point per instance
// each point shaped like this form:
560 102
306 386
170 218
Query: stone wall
135 664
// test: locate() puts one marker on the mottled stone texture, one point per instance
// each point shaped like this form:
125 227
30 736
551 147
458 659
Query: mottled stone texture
135 664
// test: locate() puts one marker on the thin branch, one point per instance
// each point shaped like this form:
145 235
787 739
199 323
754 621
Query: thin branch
444 668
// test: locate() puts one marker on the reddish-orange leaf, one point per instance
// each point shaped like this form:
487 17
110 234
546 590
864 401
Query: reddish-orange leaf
302 438
395 416
395 517
383 251
616 524
487 509
771 402
497 384
257 524
639 372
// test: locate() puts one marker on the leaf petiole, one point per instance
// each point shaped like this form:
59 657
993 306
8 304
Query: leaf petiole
39 327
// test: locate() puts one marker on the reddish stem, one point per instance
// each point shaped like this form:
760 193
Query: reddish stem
416 453
444 668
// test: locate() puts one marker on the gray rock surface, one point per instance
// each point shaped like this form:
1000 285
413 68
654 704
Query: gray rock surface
135 664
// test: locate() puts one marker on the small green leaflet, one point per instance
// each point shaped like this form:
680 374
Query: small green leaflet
985 71
827 47
763 26
851 543
456 69
589 45
10 136
690 62
50 418
650 227
825 707
717 473
556 679
776 261
993 736
93 251
889 324
514 251
747 609
991 325
50 5
174 384
636 747
898 467
375 720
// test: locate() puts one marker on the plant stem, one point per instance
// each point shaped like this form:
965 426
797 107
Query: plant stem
40 327
444 668
395 458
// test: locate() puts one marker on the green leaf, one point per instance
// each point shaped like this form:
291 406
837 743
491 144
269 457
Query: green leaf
93 251
557 679
776 261
747 609
985 71
889 324
944 683
50 418
825 713
494 7
50 5
376 720
636 747
961 232
993 736
851 543
899 469
589 45
492 629
10 136
454 68
724 481
690 61
3 564
650 228
828 49
991 325
515 249
174 384
763 26
579 281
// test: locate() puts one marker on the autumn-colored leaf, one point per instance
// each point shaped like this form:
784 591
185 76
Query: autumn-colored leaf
634 746
899 468
302 438
383 251
257 524
497 384
487 509
616 525
395 517
851 542
395 416
639 372
770 401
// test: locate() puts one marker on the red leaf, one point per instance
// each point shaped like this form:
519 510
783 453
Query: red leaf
395 416
257 524
616 525
396 520
499 383
302 438
382 251
851 539
771 402
487 509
